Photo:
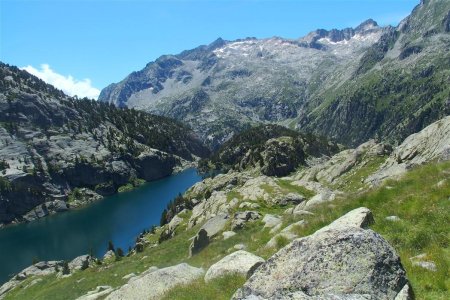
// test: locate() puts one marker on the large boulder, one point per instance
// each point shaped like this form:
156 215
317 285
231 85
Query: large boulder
341 261
80 263
155 283
239 262
216 204
210 229
271 221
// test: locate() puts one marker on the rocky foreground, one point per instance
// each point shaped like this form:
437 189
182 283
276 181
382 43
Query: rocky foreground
261 224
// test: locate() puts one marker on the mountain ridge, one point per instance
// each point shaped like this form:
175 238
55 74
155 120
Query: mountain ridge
353 75
59 152
198 68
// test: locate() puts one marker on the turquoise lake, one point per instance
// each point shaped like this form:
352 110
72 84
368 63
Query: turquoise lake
119 218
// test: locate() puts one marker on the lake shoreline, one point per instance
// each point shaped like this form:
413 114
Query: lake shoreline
63 236
183 166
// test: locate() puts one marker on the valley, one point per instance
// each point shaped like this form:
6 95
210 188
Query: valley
271 168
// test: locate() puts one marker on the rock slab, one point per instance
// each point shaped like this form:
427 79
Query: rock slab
239 262
155 284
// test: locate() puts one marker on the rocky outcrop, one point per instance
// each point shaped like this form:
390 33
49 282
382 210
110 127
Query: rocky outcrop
240 218
209 230
340 261
81 262
239 262
156 282
41 268
216 204
333 170
361 218
99 292
432 143
271 221
59 152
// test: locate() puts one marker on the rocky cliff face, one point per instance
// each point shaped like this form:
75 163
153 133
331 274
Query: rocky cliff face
53 147
350 85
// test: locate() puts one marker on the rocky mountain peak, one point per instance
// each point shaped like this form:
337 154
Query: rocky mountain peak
224 87
367 25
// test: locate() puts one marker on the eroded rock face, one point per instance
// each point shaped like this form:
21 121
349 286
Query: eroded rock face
239 262
155 283
341 261
56 147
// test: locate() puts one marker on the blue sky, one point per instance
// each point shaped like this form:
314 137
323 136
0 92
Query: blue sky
97 42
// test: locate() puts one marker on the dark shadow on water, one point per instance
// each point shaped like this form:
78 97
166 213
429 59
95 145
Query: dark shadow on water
119 218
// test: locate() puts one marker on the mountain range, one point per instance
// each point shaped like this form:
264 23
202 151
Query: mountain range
334 152
349 85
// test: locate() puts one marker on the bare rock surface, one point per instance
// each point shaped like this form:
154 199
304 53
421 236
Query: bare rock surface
341 261
431 143
271 221
210 229
99 292
239 262
155 284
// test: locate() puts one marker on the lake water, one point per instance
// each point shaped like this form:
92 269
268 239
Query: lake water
119 218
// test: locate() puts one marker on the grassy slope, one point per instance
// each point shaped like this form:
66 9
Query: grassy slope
422 205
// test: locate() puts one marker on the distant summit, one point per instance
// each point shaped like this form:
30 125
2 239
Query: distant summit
350 84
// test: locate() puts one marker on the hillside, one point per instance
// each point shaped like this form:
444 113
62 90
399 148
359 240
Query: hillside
314 234
274 149
59 152
349 85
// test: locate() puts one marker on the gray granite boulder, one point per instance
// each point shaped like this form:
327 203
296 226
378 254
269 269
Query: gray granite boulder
210 229
239 262
80 263
271 221
154 284
340 261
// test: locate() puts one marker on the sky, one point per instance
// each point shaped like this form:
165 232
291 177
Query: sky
81 46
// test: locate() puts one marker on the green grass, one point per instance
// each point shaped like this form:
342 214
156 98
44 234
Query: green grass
422 206
424 226
352 181
125 188
217 289
289 188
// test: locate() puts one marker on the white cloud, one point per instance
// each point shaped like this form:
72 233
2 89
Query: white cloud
68 84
